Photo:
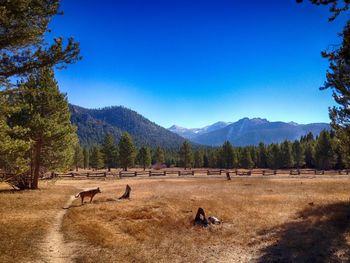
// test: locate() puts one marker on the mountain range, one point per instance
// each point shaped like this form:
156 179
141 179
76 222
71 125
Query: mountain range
248 132
94 124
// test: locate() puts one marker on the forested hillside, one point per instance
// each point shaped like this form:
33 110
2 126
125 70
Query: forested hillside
94 124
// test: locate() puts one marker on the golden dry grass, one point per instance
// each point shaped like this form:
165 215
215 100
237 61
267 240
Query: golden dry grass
265 220
25 219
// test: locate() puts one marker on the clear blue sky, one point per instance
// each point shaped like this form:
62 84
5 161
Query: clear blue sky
193 63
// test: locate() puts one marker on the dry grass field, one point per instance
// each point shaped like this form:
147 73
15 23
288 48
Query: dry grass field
264 220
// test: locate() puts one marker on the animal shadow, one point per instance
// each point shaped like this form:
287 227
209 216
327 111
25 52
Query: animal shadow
318 234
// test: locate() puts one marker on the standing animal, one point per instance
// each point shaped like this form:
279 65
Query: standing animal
91 193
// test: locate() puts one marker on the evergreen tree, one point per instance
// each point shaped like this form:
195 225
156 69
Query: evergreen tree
110 152
198 159
78 156
23 46
286 155
144 157
274 161
186 154
309 154
13 145
86 158
246 159
262 156
227 155
298 154
126 151
324 152
96 158
205 160
338 78
45 115
159 156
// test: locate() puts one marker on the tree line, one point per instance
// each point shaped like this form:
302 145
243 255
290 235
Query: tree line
322 152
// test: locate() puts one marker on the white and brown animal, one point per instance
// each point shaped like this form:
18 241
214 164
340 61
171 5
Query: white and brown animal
91 193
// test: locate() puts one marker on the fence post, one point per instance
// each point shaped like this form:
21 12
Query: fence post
105 174
150 173
179 173
120 174
193 172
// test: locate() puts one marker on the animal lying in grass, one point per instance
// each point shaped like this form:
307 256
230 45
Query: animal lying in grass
91 193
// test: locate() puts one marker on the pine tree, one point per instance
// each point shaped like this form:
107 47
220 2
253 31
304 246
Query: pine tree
262 156
159 156
23 46
86 158
13 145
110 152
246 159
186 154
286 155
45 114
205 160
227 155
274 154
126 151
324 152
96 158
338 78
78 156
298 154
309 154
144 157
198 159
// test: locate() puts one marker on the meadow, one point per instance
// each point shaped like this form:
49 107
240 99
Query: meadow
276 219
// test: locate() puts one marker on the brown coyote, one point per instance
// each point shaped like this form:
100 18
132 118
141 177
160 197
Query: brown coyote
90 193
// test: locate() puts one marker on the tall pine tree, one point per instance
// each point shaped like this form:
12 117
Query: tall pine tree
126 151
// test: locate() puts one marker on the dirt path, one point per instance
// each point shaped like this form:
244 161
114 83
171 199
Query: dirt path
55 249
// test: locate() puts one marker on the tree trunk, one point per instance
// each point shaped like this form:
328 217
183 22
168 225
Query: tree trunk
37 153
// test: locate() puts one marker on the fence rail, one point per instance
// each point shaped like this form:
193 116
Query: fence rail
193 172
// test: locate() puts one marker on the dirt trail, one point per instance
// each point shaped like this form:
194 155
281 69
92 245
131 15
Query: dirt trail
55 249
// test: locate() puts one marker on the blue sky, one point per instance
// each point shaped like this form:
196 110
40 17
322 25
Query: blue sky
193 63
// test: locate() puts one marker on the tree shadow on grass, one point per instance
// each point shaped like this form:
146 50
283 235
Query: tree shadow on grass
318 234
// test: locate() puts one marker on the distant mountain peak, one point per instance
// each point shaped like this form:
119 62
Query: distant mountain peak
250 131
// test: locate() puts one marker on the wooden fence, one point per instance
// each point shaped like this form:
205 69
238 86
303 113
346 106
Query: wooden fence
209 172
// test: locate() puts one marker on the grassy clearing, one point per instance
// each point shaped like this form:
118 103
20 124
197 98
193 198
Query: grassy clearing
25 219
264 220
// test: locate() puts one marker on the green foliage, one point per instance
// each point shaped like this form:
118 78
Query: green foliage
94 124
78 156
126 151
246 159
338 79
45 116
298 154
22 44
186 154
158 156
324 152
262 159
286 155
274 156
86 154
227 155
144 157
198 159
110 152
96 158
